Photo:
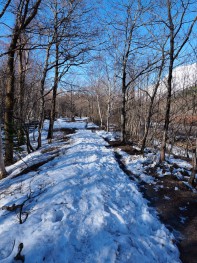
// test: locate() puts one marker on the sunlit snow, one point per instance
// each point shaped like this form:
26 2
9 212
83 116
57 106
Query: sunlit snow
81 208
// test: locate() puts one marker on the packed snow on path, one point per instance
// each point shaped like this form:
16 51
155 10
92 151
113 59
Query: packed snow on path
81 208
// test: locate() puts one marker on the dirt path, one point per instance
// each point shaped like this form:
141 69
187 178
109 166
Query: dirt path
178 211
176 205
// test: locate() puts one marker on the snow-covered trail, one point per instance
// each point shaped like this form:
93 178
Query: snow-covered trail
83 209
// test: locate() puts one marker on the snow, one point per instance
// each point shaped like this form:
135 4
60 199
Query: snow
183 77
61 123
136 164
111 136
81 208
181 163
166 197
183 219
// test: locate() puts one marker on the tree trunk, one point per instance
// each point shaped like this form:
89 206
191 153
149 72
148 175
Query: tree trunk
169 86
28 143
123 117
24 17
41 121
147 125
148 122
194 168
2 165
108 108
42 104
52 116
56 78
21 138
9 106
167 116
53 103
99 110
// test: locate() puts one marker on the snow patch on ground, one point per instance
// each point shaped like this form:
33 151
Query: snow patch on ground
136 164
110 136
82 208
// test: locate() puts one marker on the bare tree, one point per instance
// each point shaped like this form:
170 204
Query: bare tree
128 37
23 63
26 13
152 99
5 6
46 68
73 42
2 165
175 24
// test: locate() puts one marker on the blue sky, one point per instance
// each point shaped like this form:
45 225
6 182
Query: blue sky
101 13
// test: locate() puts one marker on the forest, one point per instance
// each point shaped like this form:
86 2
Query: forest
126 72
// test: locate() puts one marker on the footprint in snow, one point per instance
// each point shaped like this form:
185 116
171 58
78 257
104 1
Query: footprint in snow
53 216
6 245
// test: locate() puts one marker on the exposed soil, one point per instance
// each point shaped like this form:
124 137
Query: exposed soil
66 131
175 203
34 167
124 147
178 211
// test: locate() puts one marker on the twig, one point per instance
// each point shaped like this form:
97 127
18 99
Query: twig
19 256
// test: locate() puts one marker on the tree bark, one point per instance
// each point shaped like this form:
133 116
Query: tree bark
9 104
123 105
53 107
194 164
23 19
22 72
2 165
42 104
108 107
55 85
99 110
169 86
